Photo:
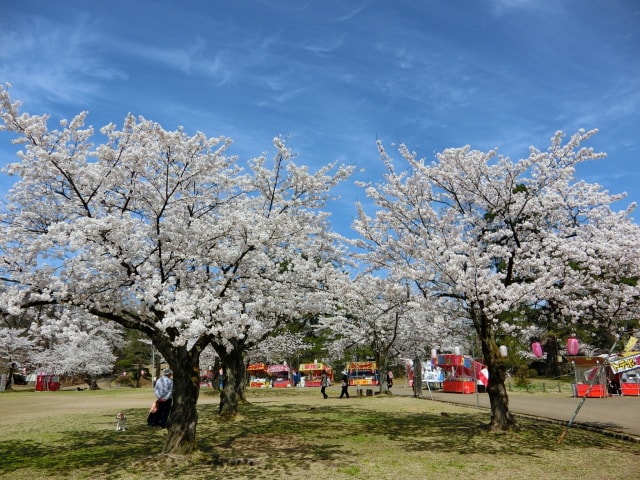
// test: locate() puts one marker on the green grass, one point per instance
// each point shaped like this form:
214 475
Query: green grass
543 386
295 434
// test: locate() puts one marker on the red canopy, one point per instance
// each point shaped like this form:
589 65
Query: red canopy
278 369
464 366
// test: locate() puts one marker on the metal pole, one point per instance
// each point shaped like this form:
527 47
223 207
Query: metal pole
475 381
584 399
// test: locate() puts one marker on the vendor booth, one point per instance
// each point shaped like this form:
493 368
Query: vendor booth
461 373
591 377
625 373
258 375
47 383
432 375
281 375
312 373
599 377
363 373
206 378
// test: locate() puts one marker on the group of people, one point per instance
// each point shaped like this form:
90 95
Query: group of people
325 382
163 390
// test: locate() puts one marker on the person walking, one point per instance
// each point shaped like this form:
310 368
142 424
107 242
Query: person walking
324 383
163 391
344 383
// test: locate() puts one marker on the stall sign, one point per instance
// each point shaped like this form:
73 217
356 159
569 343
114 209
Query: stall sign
624 364
451 360
362 381
311 367
277 368
362 366
257 367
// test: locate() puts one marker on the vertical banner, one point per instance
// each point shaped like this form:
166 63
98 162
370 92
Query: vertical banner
630 344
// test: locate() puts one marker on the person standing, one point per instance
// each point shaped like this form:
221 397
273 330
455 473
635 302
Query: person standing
324 383
164 398
344 383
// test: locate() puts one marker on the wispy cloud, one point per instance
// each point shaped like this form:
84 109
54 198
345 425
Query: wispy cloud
351 14
324 48
337 75
59 62
502 7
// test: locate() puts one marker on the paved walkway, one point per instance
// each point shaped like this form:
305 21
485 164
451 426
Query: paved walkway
616 414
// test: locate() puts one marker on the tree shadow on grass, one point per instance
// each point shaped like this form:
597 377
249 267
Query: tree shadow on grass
278 440
93 449
452 432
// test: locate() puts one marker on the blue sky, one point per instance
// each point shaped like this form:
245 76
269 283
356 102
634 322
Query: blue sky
334 75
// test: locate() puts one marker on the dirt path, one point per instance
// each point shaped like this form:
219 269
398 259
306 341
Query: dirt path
616 414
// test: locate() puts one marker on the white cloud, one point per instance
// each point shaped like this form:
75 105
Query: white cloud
58 62
503 7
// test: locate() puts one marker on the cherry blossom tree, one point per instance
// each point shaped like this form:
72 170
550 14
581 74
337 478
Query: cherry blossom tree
283 346
499 236
165 233
17 348
373 314
430 325
77 344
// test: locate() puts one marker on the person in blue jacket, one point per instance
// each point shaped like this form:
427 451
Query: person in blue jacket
164 398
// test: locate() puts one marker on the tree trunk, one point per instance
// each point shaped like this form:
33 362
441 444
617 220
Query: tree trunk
417 378
551 347
92 381
501 418
233 366
138 375
217 367
156 370
382 374
241 382
9 382
183 418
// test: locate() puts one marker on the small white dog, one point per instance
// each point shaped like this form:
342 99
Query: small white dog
121 422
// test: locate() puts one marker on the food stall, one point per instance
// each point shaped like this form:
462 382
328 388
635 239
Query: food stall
281 375
591 377
625 372
258 375
47 383
432 375
363 373
312 373
206 378
601 376
461 373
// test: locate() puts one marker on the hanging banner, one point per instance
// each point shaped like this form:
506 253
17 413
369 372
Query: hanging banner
361 366
278 369
630 344
311 367
624 364
451 360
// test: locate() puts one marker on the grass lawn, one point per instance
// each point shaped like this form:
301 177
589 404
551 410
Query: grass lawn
293 434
